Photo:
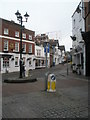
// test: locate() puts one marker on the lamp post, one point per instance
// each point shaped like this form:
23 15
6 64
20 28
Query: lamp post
46 53
20 19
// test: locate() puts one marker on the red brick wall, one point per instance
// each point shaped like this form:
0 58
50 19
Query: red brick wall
12 27
13 42
16 27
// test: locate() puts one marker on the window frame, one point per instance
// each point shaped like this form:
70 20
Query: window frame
16 50
16 61
16 33
6 31
30 37
30 48
6 62
24 47
6 45
24 35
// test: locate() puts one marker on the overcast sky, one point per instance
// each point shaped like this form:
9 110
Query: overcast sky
52 17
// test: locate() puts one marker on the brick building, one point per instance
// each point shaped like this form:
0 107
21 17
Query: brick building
10 47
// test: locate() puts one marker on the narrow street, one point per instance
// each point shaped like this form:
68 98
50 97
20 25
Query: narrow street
29 100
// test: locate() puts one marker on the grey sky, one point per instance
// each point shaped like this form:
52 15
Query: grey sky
52 17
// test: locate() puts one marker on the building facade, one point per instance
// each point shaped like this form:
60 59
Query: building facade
78 46
40 59
10 47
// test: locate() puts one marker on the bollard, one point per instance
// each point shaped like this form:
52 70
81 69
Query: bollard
51 83
46 79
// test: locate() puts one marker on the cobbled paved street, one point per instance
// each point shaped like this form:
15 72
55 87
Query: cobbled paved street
29 100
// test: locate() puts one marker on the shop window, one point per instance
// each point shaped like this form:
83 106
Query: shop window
5 62
30 62
16 61
23 60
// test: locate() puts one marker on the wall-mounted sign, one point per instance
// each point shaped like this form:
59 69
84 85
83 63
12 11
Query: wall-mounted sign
11 46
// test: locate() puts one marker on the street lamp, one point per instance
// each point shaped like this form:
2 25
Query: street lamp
19 18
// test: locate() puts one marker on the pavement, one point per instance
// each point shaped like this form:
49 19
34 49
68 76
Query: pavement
33 76
30 100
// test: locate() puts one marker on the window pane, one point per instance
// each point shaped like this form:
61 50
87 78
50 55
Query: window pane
5 62
16 61
30 48
23 35
16 46
5 31
24 47
30 37
5 45
16 34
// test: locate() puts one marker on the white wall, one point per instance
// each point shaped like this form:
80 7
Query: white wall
13 68
77 27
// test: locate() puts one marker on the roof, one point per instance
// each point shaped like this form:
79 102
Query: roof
16 24
76 10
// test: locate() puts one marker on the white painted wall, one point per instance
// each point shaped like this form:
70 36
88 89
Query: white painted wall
13 68
77 27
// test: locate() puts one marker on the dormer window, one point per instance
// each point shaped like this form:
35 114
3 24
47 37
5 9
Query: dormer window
24 35
6 31
16 34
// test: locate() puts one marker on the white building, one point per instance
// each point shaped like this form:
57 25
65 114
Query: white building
78 47
61 54
40 58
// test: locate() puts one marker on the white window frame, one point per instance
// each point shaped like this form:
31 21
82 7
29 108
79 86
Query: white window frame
24 47
38 52
16 60
6 31
24 35
16 34
30 37
30 48
5 45
16 47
